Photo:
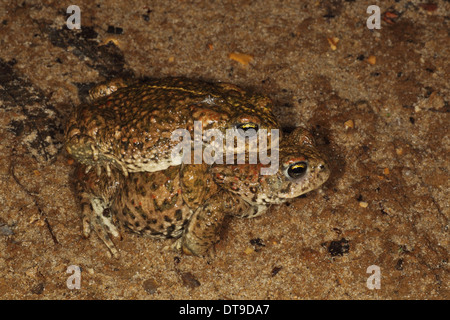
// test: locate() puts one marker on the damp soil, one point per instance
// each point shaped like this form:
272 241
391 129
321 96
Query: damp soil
377 101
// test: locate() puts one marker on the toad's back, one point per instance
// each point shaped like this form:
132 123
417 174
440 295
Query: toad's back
132 127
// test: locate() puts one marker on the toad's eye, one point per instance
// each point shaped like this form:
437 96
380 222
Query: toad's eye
297 170
245 129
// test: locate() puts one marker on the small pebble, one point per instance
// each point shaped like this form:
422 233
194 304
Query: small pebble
363 204
242 58
150 286
371 60
257 242
399 264
275 271
249 250
339 248
333 42
189 280
6 230
349 124
38 288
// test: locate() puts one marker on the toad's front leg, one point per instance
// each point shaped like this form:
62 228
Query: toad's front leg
85 150
203 229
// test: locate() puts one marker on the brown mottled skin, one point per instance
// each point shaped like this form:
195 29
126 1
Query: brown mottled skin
189 202
129 125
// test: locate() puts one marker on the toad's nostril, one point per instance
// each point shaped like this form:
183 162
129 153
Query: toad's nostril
321 166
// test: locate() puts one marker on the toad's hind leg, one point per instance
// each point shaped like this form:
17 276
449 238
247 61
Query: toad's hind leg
96 196
96 215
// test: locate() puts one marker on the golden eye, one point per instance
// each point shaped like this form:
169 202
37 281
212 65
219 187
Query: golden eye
246 127
297 170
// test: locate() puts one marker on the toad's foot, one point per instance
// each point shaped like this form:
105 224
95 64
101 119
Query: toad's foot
98 170
178 246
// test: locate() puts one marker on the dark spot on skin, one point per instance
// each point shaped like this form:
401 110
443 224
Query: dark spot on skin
286 190
167 219
142 213
178 215
253 189
170 229
126 224
132 216
107 213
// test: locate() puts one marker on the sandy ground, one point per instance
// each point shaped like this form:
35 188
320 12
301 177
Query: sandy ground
377 100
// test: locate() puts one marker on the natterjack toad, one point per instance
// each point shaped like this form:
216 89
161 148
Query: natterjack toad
189 202
130 126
